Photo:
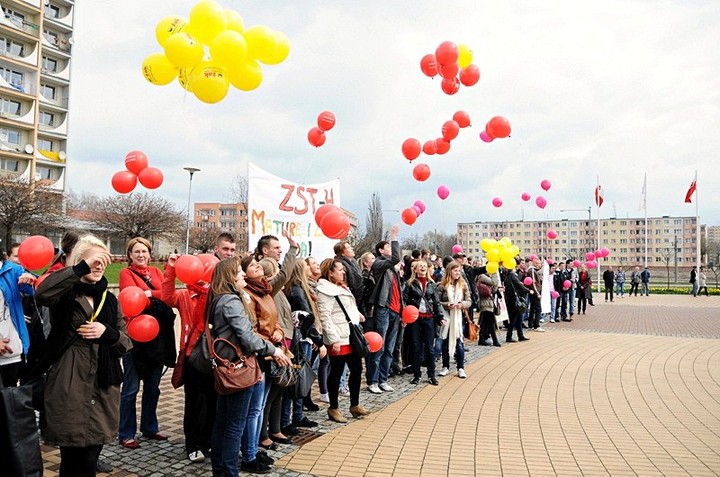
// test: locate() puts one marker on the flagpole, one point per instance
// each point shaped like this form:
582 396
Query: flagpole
697 226
646 220
598 236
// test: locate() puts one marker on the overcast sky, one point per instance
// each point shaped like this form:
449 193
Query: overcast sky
611 89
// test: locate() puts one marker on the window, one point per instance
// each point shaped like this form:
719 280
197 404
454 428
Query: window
15 17
12 47
43 173
15 78
9 106
52 11
51 37
45 145
49 64
10 165
48 119
10 136
47 91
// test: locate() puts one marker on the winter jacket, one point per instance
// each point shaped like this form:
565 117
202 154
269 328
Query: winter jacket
354 279
9 274
228 310
426 300
488 304
335 326
383 269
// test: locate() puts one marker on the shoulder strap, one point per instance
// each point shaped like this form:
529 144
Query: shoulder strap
143 278
342 307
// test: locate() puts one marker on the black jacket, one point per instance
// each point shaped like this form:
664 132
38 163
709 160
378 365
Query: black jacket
383 270
413 294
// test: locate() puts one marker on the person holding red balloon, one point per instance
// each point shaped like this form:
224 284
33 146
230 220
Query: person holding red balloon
336 305
421 293
455 298
145 363
87 339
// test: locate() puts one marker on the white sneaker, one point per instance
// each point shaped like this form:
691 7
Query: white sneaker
196 456
373 388
344 391
386 387
540 330
444 372
552 320
461 373
324 397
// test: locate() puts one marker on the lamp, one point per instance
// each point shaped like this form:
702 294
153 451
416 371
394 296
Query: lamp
191 170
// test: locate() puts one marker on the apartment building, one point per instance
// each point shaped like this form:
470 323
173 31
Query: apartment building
212 218
35 53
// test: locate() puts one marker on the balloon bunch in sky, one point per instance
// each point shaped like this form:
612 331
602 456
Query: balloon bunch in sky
332 221
540 201
499 251
136 163
411 214
325 122
454 64
497 127
213 50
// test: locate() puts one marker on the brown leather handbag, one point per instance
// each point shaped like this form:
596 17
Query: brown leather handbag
232 376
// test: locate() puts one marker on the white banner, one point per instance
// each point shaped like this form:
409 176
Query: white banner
275 203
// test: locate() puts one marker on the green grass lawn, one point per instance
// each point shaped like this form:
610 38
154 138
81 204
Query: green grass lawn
112 272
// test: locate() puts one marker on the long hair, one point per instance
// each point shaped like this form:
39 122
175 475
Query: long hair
363 259
299 278
83 246
413 272
223 278
448 280
67 244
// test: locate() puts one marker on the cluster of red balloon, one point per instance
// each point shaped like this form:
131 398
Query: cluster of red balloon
592 257
234 52
136 163
332 221
325 122
411 147
454 64
497 127
140 327
411 214
191 269
36 252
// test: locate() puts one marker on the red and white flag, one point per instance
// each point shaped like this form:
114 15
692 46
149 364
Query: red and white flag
691 191
599 196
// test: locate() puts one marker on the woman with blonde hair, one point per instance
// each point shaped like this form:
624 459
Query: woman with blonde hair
455 298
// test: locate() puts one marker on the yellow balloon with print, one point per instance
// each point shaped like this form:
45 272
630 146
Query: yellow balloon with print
510 264
207 20
209 82
168 26
261 42
492 267
246 76
493 255
234 21
158 70
183 50
184 78
229 48
282 50
465 56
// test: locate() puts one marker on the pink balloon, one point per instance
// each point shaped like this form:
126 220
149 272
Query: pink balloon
576 263
533 257
545 184
457 249
591 264
485 138
497 202
567 284
541 201
443 192
527 281
550 261
605 251
421 205
554 294
417 210
598 254
589 256
551 234
525 196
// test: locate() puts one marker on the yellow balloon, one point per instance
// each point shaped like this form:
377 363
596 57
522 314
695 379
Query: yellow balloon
209 82
261 42
492 267
510 264
281 52
465 56
229 48
184 78
158 70
183 51
246 76
234 21
168 26
514 250
485 244
506 241
506 256
493 255
207 20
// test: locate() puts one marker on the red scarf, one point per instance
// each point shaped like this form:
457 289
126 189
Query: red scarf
258 286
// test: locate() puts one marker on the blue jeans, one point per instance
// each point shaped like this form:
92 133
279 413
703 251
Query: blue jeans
620 289
459 353
645 290
128 395
571 300
230 422
251 436
292 409
387 323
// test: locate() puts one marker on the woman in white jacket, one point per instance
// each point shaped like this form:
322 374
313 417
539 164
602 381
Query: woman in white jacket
336 305
454 297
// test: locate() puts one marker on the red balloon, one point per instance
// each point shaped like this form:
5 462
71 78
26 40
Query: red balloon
132 301
462 118
450 86
567 284
209 261
151 177
411 149
124 182
442 145
527 281
429 148
189 269
525 196
428 65
470 75
409 216
498 127
374 340
449 71
335 224
316 137
450 130
421 172
409 314
447 53
136 161
545 184
322 210
497 202
326 120
143 328
541 201
36 252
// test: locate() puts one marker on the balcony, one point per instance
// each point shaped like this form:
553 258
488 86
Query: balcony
64 20
20 25
29 59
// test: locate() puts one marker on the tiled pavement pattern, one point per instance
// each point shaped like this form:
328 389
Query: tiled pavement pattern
632 388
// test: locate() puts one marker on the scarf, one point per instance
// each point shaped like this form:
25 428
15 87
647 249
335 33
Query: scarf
197 321
109 372
258 286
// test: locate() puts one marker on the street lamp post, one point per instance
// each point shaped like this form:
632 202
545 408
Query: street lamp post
191 170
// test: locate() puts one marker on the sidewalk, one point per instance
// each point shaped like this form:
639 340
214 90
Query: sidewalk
615 392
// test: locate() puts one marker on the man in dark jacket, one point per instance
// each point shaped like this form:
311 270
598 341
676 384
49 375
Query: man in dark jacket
387 299
609 279
353 276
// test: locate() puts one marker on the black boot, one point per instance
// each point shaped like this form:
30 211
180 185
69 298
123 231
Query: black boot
509 338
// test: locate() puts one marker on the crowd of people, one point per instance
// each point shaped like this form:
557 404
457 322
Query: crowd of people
273 310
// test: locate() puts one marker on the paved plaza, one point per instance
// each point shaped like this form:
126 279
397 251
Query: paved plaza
631 388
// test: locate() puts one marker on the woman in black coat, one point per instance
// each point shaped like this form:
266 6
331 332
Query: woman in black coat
514 288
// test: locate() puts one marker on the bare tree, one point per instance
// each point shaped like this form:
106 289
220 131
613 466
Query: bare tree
203 238
412 242
667 255
27 206
439 242
239 189
141 215
373 227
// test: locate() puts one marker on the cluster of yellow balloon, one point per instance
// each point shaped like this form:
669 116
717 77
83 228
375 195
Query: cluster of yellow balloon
211 51
499 251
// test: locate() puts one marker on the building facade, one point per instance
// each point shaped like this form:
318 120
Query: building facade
212 218
669 239
35 53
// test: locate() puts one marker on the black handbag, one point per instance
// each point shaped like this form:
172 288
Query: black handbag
358 342
19 439
305 374
520 304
